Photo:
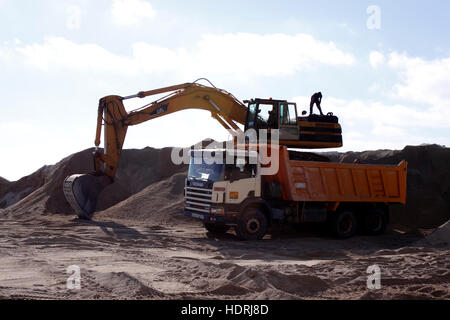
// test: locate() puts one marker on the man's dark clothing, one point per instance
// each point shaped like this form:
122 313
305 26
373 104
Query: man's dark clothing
315 99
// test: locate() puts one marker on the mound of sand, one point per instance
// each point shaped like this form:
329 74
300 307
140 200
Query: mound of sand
160 203
123 284
439 237
13 192
42 191
4 185
3 181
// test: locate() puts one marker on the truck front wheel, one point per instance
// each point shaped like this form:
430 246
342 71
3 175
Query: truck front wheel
252 225
343 224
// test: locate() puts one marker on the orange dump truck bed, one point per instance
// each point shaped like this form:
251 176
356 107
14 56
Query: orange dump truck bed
338 182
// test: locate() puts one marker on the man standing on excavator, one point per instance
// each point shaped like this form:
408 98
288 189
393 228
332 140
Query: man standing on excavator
315 99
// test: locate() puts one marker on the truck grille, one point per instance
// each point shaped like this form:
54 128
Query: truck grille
197 199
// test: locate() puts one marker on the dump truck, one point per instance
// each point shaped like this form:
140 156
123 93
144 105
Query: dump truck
305 188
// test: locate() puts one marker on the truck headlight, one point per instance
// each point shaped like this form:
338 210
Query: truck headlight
218 211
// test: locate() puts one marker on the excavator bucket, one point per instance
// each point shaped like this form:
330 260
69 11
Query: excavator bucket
82 192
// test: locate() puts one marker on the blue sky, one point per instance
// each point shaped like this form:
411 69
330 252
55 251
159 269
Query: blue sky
388 84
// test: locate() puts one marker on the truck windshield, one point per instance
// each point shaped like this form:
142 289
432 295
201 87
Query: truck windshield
203 171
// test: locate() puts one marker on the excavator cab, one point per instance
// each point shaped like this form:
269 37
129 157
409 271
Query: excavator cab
307 132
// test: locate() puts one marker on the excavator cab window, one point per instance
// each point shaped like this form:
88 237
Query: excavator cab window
251 115
265 113
289 129
288 114
262 115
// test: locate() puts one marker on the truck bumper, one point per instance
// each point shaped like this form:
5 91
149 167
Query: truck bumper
227 219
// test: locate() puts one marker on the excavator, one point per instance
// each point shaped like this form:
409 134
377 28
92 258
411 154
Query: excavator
308 132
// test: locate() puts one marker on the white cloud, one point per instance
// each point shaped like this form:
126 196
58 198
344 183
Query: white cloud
74 17
374 88
226 54
423 81
388 131
59 53
385 114
131 12
376 59
251 53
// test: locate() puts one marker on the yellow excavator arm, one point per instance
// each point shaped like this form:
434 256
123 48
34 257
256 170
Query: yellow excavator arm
82 190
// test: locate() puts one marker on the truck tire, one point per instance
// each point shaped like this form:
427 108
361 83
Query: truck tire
344 224
216 228
252 225
375 222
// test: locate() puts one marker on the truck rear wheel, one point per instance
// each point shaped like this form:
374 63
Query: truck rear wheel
343 224
252 225
216 228
375 222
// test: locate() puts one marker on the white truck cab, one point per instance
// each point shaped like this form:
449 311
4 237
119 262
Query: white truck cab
219 184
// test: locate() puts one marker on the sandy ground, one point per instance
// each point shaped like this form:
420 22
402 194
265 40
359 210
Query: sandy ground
126 259
141 246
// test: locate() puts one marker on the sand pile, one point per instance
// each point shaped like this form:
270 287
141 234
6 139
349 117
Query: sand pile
159 203
13 192
439 237
42 191
4 184
137 170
